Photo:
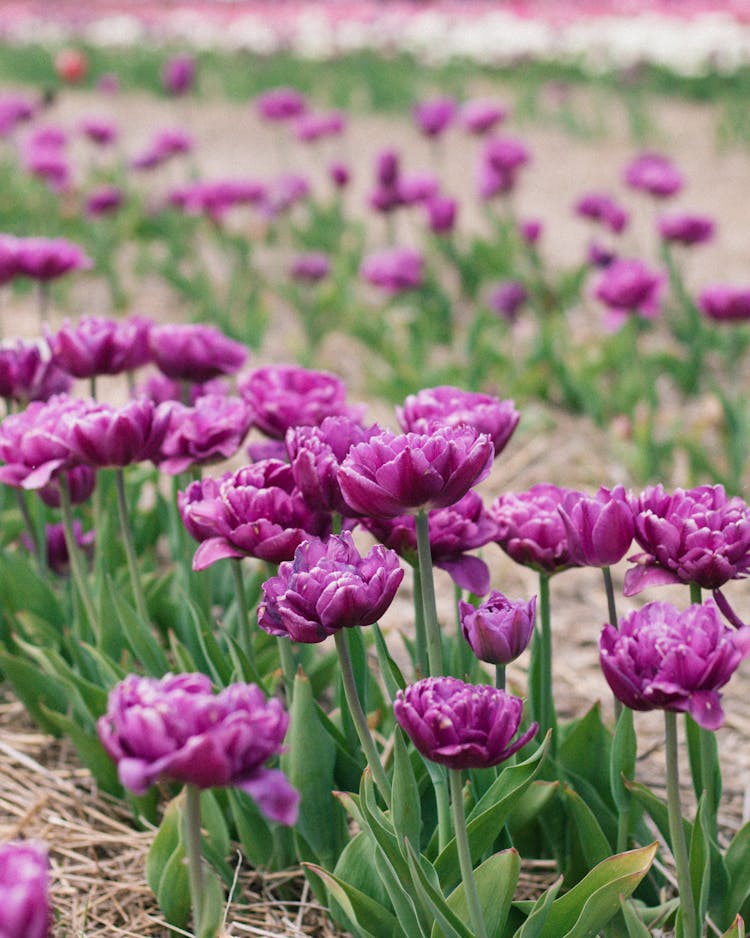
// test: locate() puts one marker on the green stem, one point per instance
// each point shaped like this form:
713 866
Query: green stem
419 628
434 648
676 829
38 545
74 555
500 676
194 851
243 619
464 855
288 666
546 705
612 613
706 750
358 716
127 539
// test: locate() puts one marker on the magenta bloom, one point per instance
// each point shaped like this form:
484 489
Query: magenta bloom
696 536
686 229
99 130
310 127
434 116
316 452
211 430
96 345
392 475
103 201
462 726
505 299
283 193
80 481
662 659
27 372
280 104
310 267
56 548
8 257
530 230
49 163
602 208
284 396
339 174
195 352
499 630
531 530
480 116
629 287
163 146
176 728
441 214
417 188
178 74
724 303
654 174
14 110
48 258
599 529
117 436
453 531
447 406
329 586
499 162
24 901
160 389
256 512
393 270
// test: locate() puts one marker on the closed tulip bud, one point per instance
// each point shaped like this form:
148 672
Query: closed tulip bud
499 630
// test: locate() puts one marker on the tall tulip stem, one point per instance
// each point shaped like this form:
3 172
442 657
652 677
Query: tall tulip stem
464 855
676 829
127 539
434 647
194 852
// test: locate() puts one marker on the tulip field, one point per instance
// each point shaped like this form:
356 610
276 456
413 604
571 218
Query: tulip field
374 486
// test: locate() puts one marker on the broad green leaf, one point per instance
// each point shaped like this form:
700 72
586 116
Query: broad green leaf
164 844
539 912
212 905
433 900
356 866
702 744
530 805
392 676
406 805
496 881
736 930
700 864
215 830
594 844
90 751
139 635
657 809
22 588
635 926
623 756
253 831
39 692
737 859
370 918
173 893
585 753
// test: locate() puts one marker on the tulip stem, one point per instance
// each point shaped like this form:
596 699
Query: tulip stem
38 544
193 850
127 539
464 855
543 642
74 555
243 619
676 829
288 667
420 634
358 716
500 676
612 613
434 648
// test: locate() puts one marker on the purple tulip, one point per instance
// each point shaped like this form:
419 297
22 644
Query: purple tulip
505 299
215 198
311 267
99 130
195 353
447 406
329 586
284 396
117 436
686 229
283 193
14 110
531 530
499 630
49 258
178 74
79 480
255 512
392 475
49 163
663 659
56 547
163 146
480 116
530 230
629 287
654 174
387 168
310 127
280 104
339 174
201 508
441 214
602 208
462 726
433 117
210 431
393 270
724 303
505 154
8 257
453 531
27 372
96 345
600 256
24 901
177 729
160 389
599 529
103 201
316 453
696 536
417 188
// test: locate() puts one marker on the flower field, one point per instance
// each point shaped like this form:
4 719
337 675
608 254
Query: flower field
373 475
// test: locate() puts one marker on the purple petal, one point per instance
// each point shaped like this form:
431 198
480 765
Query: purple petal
273 794
642 576
705 708
213 549
467 572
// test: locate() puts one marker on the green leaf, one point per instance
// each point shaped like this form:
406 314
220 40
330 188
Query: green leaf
736 930
253 831
585 753
636 928
700 864
164 844
392 676
623 756
737 859
530 805
594 844
696 738
406 810
370 918
496 881
356 866
489 814
139 635
539 912
212 905
90 751
449 923
657 809
22 588
173 893
37 691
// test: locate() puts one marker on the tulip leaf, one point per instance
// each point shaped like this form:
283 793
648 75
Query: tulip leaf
355 866
216 838
90 751
622 762
496 881
23 589
433 900
530 805
212 905
737 859
369 918
657 809
253 830
736 930
406 810
166 866
392 677
700 864
702 745
139 635
38 692
594 844
489 814
635 926
90 699
539 912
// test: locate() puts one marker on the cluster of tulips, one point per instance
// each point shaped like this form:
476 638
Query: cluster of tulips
440 821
